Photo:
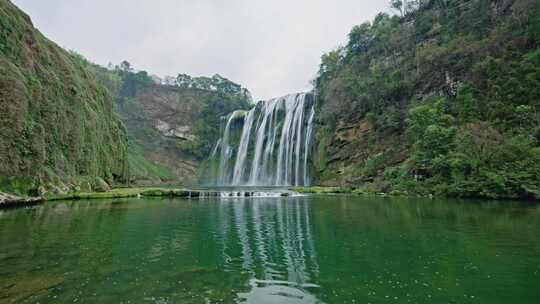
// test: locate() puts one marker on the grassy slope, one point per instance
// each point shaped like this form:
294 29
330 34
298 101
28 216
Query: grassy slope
56 121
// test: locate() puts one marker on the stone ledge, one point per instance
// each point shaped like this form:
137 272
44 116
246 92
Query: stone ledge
8 200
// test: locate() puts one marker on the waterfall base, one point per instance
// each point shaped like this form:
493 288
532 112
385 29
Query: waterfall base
268 145
246 192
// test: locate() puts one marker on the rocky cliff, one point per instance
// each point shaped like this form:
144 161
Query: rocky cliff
172 123
57 126
443 99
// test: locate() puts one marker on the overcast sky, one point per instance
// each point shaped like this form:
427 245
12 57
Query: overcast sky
272 47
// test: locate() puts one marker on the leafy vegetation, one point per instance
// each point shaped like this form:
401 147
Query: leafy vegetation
124 193
322 190
172 123
452 86
56 120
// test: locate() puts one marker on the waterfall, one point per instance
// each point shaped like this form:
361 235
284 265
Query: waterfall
239 166
307 143
262 135
273 147
216 147
226 152
299 125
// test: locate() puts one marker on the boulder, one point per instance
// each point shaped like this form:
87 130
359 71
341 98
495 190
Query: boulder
8 200
99 185
85 186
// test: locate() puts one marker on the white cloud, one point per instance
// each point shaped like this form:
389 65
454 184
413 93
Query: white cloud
272 47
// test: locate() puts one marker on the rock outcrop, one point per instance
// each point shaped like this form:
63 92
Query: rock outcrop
8 200
174 127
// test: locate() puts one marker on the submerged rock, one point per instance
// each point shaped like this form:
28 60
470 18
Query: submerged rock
24 288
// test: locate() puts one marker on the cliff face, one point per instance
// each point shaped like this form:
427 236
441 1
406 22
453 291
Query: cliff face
442 100
59 125
56 121
173 125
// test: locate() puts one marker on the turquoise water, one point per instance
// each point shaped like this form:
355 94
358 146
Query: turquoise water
318 249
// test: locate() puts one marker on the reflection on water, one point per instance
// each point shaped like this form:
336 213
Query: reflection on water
277 292
318 249
277 248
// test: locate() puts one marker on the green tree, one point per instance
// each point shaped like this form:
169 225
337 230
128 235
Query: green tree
125 66
360 38
433 134
397 5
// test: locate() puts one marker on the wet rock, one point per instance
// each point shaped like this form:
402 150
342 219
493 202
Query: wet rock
8 200
181 193
56 190
5 198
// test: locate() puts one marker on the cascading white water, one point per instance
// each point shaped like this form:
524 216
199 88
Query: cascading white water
239 166
268 113
309 133
226 152
216 147
282 162
274 145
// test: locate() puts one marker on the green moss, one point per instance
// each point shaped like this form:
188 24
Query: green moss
124 193
170 192
116 193
141 168
322 190
21 186
322 154
157 192
56 121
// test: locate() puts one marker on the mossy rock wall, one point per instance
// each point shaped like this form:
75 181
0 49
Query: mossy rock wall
56 121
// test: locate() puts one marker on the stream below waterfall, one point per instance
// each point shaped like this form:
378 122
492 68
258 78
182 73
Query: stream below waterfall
305 249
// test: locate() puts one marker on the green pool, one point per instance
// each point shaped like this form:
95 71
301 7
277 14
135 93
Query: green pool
314 249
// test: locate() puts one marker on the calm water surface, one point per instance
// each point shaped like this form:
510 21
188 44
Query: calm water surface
330 249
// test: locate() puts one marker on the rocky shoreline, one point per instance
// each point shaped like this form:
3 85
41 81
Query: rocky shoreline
8 200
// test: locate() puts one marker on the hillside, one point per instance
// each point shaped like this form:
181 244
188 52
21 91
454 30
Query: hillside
443 98
57 127
173 123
